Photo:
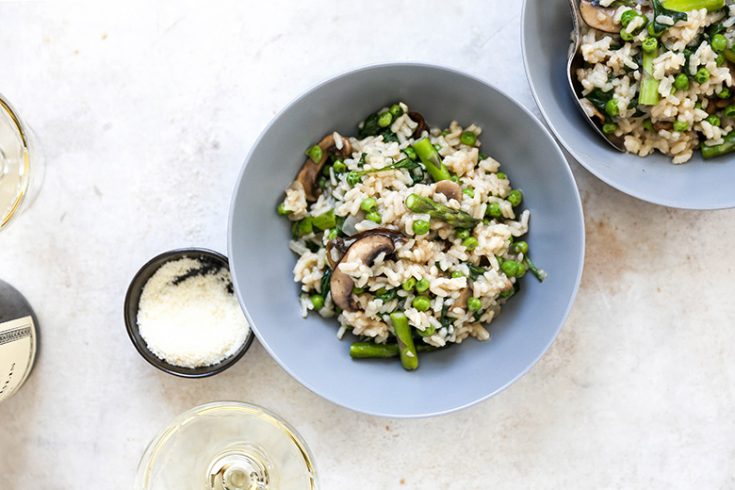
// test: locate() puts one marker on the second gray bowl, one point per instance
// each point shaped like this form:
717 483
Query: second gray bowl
545 29
261 262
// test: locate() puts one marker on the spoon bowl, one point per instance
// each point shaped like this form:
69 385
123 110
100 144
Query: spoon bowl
575 61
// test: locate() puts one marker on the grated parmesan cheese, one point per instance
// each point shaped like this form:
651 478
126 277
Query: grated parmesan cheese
189 317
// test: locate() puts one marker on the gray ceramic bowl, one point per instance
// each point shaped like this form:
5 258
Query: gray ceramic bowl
261 262
545 29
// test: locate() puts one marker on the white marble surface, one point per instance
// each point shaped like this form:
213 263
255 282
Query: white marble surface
145 113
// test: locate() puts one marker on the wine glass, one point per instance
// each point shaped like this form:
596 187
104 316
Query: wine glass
21 170
227 446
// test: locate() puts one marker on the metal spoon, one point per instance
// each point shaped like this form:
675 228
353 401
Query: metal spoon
575 61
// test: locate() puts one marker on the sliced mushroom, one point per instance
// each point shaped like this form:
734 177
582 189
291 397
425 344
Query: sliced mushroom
309 172
336 248
450 189
597 17
419 119
364 250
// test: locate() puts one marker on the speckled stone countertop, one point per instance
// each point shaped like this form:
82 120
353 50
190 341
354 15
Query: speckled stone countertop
145 113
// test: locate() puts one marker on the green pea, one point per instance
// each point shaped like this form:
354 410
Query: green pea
493 210
339 166
625 35
368 204
422 285
353 178
680 125
410 153
520 247
374 216
729 111
725 93
501 176
681 82
521 270
395 110
611 108
515 198
469 191
445 132
468 138
649 45
421 303
474 304
702 75
470 243
456 274
323 182
609 128
507 293
317 300
409 284
282 210
720 59
718 43
385 119
357 290
627 17
648 125
713 120
333 233
511 268
315 153
454 178
461 234
421 227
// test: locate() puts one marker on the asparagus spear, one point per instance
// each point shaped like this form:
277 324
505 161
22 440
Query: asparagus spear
712 151
649 85
689 5
368 350
431 160
406 348
458 219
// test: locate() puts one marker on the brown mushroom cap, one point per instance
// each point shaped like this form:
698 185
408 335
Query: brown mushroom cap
450 189
309 172
597 17
365 250
419 119
340 245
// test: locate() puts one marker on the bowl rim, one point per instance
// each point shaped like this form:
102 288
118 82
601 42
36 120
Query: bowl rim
590 168
519 106
131 323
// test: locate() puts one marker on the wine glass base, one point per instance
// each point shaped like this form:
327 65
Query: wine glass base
241 467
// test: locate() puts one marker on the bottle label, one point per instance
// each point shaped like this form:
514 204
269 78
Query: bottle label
17 353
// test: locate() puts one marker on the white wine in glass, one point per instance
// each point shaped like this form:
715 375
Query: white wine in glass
15 164
227 446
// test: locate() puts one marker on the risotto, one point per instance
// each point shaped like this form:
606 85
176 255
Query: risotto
411 237
659 78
